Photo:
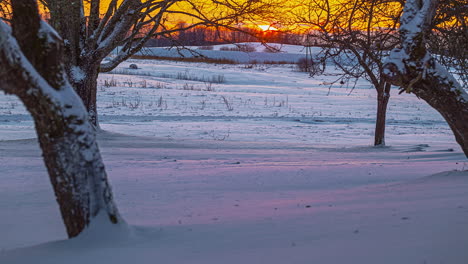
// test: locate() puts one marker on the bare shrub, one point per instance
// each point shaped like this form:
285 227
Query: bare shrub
122 102
162 103
228 103
209 87
160 85
134 104
129 72
303 65
185 59
191 77
110 83
129 83
189 87
276 62
310 66
218 78
240 47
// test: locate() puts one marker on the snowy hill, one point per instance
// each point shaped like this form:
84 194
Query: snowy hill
285 54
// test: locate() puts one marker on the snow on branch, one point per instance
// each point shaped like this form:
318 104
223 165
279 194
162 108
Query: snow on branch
63 121
11 57
412 63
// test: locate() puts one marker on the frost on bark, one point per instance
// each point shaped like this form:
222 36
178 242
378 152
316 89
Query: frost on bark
31 67
412 68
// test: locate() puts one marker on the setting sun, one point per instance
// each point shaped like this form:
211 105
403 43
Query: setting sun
233 131
267 28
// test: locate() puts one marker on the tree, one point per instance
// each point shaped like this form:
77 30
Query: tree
414 69
355 35
449 38
91 36
32 68
5 10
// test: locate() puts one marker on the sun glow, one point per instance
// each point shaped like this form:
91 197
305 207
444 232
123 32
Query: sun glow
267 28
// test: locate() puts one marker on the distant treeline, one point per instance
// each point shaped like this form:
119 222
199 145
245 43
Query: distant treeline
202 36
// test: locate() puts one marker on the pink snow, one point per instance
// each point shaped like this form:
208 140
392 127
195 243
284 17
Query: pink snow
287 176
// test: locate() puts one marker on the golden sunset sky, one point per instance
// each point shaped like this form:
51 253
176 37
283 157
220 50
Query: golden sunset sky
279 15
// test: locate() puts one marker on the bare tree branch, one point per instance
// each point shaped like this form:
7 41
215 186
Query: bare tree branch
413 68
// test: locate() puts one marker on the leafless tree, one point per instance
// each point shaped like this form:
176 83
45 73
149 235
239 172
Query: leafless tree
448 40
50 71
413 68
89 37
32 68
355 36
5 10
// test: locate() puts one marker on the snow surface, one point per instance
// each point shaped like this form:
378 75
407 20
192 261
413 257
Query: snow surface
279 171
287 53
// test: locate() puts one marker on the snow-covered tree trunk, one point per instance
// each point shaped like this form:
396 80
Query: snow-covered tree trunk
383 96
84 81
414 69
32 68
88 40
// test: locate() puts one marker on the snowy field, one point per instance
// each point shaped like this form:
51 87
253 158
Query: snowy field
246 163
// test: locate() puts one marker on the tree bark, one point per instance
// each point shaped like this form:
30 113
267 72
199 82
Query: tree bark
31 67
86 88
74 164
82 68
383 96
440 95
84 48
413 69
66 18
